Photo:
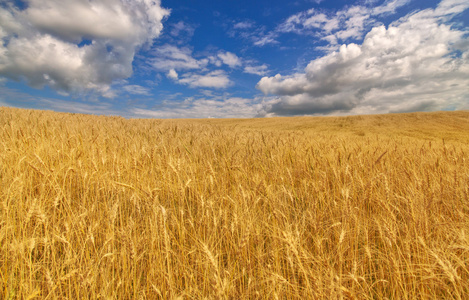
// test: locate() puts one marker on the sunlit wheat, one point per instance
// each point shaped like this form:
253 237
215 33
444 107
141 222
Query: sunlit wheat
364 207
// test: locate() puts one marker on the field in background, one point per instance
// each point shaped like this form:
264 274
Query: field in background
366 207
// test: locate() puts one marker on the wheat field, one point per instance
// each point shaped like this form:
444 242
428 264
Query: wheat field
361 207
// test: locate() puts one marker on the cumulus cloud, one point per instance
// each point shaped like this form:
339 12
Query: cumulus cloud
76 45
214 79
418 63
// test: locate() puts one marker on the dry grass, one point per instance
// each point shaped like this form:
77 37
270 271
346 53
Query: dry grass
367 207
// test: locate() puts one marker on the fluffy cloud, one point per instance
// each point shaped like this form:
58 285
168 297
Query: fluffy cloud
76 45
417 63
230 59
172 74
225 58
171 59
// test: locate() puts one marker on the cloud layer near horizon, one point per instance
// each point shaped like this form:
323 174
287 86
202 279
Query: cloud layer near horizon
76 45
418 63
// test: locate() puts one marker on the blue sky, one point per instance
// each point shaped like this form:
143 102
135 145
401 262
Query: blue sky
225 59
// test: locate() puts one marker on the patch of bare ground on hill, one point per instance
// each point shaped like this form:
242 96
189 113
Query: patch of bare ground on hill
362 207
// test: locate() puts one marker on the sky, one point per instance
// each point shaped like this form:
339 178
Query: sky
234 58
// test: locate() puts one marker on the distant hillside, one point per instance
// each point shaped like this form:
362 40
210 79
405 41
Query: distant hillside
422 125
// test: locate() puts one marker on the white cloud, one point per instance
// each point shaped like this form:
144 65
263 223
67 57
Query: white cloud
256 34
416 63
322 21
449 8
73 20
256 70
172 74
137 90
41 42
232 107
182 28
215 60
230 59
265 39
244 25
334 27
169 57
214 79
389 7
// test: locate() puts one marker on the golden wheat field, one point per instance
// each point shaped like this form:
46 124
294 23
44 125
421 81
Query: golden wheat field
362 207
